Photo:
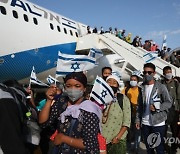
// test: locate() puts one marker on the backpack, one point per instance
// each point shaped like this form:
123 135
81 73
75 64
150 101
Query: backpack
30 127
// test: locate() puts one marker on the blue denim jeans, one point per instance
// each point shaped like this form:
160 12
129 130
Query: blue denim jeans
154 134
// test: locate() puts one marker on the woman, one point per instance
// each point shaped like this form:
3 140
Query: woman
76 119
116 119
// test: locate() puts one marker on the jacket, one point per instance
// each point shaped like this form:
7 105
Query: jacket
165 101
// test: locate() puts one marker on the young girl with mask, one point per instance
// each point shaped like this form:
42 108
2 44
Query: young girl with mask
133 92
116 120
77 120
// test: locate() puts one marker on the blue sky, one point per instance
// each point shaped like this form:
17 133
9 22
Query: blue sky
148 19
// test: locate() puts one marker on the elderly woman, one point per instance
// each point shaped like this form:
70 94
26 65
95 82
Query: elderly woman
116 119
76 119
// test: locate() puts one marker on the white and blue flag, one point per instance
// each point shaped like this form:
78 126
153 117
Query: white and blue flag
102 92
51 80
95 53
164 44
35 80
73 63
149 57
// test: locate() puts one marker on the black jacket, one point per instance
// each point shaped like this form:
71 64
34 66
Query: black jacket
11 137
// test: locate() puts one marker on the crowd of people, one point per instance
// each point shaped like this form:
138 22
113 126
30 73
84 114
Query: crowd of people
70 121
148 45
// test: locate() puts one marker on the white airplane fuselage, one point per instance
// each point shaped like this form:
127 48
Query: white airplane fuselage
32 36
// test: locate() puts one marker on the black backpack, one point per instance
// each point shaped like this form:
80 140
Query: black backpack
29 123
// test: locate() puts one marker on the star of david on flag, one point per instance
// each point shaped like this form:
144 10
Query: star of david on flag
102 92
73 63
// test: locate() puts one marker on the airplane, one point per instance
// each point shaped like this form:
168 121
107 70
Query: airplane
32 36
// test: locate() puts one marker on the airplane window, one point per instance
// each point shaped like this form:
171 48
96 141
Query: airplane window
76 34
15 14
35 21
71 32
65 31
26 18
3 10
51 26
58 28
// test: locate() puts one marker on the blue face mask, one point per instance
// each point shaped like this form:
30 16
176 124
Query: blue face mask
74 94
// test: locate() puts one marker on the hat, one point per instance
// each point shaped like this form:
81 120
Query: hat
79 76
113 76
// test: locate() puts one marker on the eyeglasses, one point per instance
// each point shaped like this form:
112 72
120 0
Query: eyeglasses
149 72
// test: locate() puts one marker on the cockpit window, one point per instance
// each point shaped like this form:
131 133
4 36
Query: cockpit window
3 10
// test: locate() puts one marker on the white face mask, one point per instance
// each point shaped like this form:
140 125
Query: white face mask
74 94
133 83
168 76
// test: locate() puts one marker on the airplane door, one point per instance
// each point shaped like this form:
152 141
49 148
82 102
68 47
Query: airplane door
82 29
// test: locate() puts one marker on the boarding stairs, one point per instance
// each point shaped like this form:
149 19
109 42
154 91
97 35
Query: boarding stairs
133 56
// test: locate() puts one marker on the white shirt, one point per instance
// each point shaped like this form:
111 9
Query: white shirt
146 118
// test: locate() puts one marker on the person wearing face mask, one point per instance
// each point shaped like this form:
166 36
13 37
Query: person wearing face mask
174 91
76 119
116 119
133 92
152 111
106 71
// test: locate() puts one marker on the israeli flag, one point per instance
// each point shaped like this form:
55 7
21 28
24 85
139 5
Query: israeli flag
51 80
102 92
34 79
149 57
164 44
95 53
73 63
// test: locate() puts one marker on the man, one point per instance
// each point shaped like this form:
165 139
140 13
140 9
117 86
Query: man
174 91
106 71
152 111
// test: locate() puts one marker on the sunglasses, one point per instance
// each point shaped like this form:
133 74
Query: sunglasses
147 72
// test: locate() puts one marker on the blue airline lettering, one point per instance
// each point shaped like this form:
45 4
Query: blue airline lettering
14 3
22 5
30 10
